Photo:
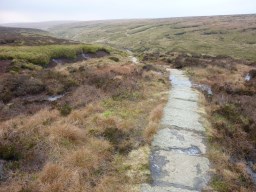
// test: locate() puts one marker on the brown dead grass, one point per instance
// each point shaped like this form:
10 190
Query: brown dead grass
153 125
150 131
111 183
85 159
66 131
56 178
157 113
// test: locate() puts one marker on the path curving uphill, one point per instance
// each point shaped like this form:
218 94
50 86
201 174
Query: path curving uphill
178 162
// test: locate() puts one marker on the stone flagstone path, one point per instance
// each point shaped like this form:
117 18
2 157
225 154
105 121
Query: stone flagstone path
178 162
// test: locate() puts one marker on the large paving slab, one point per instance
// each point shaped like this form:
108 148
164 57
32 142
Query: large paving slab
183 95
182 104
179 170
179 140
148 188
184 119
180 80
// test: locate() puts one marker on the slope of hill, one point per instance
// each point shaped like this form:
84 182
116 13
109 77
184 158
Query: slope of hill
28 36
37 25
219 35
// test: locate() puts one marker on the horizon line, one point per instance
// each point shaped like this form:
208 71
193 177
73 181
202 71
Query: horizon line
192 16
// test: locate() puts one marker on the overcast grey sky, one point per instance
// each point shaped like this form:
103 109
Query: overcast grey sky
46 10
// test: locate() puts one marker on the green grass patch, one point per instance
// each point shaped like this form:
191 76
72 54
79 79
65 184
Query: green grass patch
42 55
219 185
65 110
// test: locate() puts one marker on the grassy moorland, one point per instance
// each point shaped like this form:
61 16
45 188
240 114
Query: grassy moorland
220 35
95 137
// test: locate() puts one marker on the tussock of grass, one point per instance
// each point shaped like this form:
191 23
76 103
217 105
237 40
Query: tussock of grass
150 131
66 131
57 178
156 114
153 125
85 159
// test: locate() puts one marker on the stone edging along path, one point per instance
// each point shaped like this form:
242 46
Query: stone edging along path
177 161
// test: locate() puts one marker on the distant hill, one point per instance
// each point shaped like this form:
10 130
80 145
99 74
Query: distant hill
28 36
37 25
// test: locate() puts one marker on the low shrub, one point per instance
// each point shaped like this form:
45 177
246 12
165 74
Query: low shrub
65 110
66 131
114 59
219 185
21 85
9 152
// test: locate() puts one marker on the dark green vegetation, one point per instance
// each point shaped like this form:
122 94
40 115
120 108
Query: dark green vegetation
221 35
42 55
65 110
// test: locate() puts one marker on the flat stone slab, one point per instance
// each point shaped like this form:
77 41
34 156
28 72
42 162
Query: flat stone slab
181 141
183 94
148 188
179 170
182 104
179 79
184 119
